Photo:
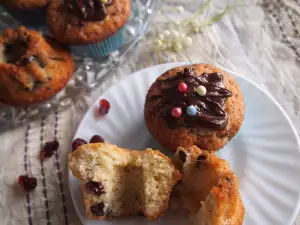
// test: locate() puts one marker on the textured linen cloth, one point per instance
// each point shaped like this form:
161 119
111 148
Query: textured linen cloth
259 40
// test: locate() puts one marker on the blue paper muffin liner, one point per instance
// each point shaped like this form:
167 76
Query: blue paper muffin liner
100 49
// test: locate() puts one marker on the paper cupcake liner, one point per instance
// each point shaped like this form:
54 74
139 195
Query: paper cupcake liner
100 49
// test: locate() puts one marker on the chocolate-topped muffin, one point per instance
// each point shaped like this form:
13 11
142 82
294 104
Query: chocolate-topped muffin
194 105
24 4
91 26
32 67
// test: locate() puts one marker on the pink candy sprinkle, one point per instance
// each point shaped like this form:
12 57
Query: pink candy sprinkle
182 87
176 112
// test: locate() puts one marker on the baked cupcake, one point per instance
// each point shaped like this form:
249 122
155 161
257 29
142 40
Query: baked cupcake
93 28
25 4
33 68
194 105
31 13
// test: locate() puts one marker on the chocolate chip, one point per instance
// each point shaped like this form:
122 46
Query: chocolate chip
141 214
228 179
98 209
200 160
182 156
27 60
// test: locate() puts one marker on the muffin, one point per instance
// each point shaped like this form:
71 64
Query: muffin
33 68
25 4
194 105
93 28
209 190
118 182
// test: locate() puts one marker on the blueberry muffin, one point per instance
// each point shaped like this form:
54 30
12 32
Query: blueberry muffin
24 4
33 68
93 27
209 190
194 105
118 182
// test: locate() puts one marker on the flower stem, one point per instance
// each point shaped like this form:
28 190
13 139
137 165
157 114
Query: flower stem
217 17
199 11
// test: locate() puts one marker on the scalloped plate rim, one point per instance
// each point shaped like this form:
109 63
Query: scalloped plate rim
174 64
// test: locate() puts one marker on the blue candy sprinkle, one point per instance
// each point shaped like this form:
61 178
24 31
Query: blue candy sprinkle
191 110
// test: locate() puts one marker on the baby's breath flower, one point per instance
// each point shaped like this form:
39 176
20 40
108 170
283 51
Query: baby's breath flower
174 33
180 9
167 33
161 37
177 46
157 43
188 41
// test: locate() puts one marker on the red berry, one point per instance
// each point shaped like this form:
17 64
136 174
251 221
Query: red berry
96 188
104 106
28 183
77 143
182 87
176 112
49 149
97 139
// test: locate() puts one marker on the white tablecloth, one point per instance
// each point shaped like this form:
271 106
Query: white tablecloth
259 40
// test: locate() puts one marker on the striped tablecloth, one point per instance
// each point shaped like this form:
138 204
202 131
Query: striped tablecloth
259 40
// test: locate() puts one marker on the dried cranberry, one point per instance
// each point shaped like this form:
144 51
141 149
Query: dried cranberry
28 183
96 188
98 209
49 149
97 139
104 106
77 143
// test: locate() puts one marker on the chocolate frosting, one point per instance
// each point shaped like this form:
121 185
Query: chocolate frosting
211 112
89 10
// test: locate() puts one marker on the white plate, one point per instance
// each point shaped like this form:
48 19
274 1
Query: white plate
264 155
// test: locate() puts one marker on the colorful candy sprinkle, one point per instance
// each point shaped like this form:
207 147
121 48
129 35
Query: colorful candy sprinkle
104 106
201 90
182 87
176 112
191 110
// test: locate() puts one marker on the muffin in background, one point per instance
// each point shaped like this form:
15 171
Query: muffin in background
92 28
194 105
30 13
24 4
33 68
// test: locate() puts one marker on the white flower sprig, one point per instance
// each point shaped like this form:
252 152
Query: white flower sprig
179 35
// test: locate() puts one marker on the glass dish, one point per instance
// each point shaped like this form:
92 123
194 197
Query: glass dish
89 73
